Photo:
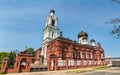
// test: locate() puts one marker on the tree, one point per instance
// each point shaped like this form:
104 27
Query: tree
2 55
11 56
116 27
118 1
116 24
31 50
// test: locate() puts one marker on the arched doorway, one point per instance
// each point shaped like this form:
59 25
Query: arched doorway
53 61
23 65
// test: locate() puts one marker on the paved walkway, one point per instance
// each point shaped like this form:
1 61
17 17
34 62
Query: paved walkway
110 71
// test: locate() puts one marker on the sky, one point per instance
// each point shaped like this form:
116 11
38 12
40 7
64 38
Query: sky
22 22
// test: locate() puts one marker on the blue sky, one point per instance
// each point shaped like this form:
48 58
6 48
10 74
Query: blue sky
22 22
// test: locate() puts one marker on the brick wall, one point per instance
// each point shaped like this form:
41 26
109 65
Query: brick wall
60 47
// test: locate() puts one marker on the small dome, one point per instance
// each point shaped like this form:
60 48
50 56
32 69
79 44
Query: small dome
82 33
92 40
52 10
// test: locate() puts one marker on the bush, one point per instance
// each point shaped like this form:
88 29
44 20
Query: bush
0 65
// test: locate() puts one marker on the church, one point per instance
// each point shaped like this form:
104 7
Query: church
58 52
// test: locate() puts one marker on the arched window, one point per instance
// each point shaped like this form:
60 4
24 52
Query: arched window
79 55
94 56
101 56
52 34
74 54
53 22
63 54
84 55
89 55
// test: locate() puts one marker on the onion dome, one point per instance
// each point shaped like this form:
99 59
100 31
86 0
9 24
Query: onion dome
52 10
92 40
82 33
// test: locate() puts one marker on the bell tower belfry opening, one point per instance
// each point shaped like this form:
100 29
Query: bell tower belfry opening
50 33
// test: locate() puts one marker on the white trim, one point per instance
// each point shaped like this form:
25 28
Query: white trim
91 56
61 62
85 63
78 62
90 62
70 62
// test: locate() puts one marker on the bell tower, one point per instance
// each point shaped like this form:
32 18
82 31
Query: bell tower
50 33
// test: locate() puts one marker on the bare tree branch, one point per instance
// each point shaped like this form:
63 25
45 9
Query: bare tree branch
116 27
118 1
114 21
116 31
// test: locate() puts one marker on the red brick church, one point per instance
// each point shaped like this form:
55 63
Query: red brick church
58 52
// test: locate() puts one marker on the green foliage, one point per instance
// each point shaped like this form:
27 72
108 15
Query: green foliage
0 64
79 70
11 56
2 55
31 50
87 69
101 67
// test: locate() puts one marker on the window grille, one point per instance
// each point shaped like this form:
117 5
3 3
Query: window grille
61 62
70 63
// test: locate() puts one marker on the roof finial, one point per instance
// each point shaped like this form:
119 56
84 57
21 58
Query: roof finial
52 11
60 33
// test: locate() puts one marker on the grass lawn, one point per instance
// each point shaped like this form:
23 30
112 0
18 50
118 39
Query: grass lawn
87 69
101 67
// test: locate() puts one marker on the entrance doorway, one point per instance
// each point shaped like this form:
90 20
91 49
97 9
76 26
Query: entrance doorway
53 65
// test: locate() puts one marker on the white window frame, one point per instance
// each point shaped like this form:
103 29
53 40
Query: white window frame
85 63
101 55
94 62
98 62
78 63
70 62
90 62
61 63
91 56
86 55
